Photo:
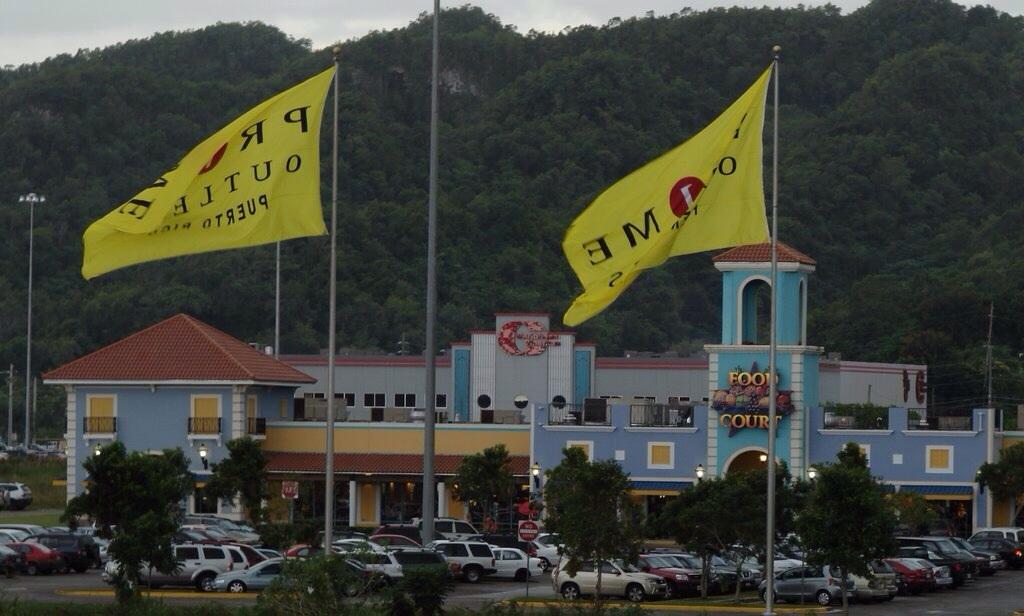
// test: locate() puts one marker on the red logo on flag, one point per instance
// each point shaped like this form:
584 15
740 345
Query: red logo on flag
219 154
684 194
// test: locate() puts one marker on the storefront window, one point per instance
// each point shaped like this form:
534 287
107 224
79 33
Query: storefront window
401 501
955 517
203 502
310 504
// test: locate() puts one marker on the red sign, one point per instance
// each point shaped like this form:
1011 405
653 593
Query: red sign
528 530
535 339
290 489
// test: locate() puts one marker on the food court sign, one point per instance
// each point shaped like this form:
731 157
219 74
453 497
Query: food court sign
525 338
744 403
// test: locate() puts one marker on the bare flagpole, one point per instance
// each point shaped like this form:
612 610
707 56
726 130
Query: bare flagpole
277 303
773 393
331 342
429 490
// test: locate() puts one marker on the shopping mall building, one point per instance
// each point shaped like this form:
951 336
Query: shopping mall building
536 390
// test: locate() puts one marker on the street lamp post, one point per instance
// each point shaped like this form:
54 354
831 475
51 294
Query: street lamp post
699 472
535 478
812 473
31 199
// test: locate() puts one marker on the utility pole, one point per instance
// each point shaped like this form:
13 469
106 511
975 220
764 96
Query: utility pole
988 353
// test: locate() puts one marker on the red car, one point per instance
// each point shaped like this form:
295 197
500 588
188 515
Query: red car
38 558
302 550
911 577
394 542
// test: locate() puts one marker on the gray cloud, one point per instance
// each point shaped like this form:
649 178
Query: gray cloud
33 30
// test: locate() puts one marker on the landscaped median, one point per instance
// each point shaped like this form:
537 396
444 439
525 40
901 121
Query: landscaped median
711 605
159 594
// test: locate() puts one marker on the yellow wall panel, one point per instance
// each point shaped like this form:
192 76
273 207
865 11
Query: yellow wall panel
368 505
101 406
660 454
364 439
204 406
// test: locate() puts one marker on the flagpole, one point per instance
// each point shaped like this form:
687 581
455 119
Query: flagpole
769 565
429 491
277 303
329 423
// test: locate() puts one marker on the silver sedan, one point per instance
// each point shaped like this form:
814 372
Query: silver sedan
256 577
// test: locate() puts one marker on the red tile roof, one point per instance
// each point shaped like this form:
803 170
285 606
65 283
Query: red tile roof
375 463
180 348
762 253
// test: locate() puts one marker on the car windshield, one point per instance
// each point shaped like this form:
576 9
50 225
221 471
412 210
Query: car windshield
945 546
718 561
879 566
691 561
659 562
626 567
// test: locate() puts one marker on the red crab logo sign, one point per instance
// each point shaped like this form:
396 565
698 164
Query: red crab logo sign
535 339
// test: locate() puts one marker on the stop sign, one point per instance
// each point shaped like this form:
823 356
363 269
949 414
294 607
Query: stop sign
289 489
528 530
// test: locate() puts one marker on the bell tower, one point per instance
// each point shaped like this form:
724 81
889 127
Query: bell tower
738 367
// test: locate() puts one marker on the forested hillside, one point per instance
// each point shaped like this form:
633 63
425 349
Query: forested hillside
902 148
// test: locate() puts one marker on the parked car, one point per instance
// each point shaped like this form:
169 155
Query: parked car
988 561
411 531
818 584
10 560
383 564
194 535
1013 533
912 576
515 564
942 577
31 529
617 580
548 553
17 496
394 542
881 586
681 581
38 558
716 584
424 559
302 550
251 554
475 559
257 577
210 532
338 535
1007 550
236 532
451 529
79 552
12 535
269 554
941 551
199 566
356 545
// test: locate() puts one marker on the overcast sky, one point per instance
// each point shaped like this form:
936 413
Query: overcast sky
33 30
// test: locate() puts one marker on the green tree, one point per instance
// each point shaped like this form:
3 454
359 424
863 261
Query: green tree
484 479
1006 477
319 586
915 514
135 500
242 475
588 505
847 521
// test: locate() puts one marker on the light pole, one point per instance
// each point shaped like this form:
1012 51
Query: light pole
10 402
31 199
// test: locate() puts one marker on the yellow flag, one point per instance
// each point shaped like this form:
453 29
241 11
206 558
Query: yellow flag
255 181
705 194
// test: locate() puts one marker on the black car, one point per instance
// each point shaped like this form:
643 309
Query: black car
79 551
502 541
422 559
940 551
406 530
1007 550
988 561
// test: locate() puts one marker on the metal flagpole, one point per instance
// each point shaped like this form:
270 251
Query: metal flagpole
10 402
277 304
773 393
329 423
429 491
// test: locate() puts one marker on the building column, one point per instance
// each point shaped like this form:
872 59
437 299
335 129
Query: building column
442 500
712 423
237 420
353 503
71 443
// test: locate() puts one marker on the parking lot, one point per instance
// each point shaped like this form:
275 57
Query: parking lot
999 595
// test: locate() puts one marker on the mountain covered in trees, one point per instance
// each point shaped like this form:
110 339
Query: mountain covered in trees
902 143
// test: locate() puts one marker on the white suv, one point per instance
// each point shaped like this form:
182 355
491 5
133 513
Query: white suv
199 566
451 529
617 579
1013 533
15 496
475 558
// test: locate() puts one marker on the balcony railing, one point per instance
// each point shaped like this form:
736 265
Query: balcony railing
660 416
255 425
204 425
918 419
99 425
588 414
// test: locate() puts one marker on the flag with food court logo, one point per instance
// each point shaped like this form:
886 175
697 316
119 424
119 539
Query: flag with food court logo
255 181
703 195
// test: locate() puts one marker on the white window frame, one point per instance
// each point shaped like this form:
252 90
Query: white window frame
440 406
374 406
344 396
405 401
671 455
589 444
928 460
220 416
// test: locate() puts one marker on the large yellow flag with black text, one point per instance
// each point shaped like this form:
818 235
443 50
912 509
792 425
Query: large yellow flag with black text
255 181
705 194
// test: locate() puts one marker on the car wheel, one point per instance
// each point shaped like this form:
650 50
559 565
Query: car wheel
570 591
472 574
764 596
204 583
521 575
635 593
236 586
81 569
545 564
32 569
823 597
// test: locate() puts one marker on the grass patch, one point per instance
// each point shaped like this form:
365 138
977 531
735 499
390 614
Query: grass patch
38 475
44 518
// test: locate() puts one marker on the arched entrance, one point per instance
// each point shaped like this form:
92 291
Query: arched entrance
747 460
